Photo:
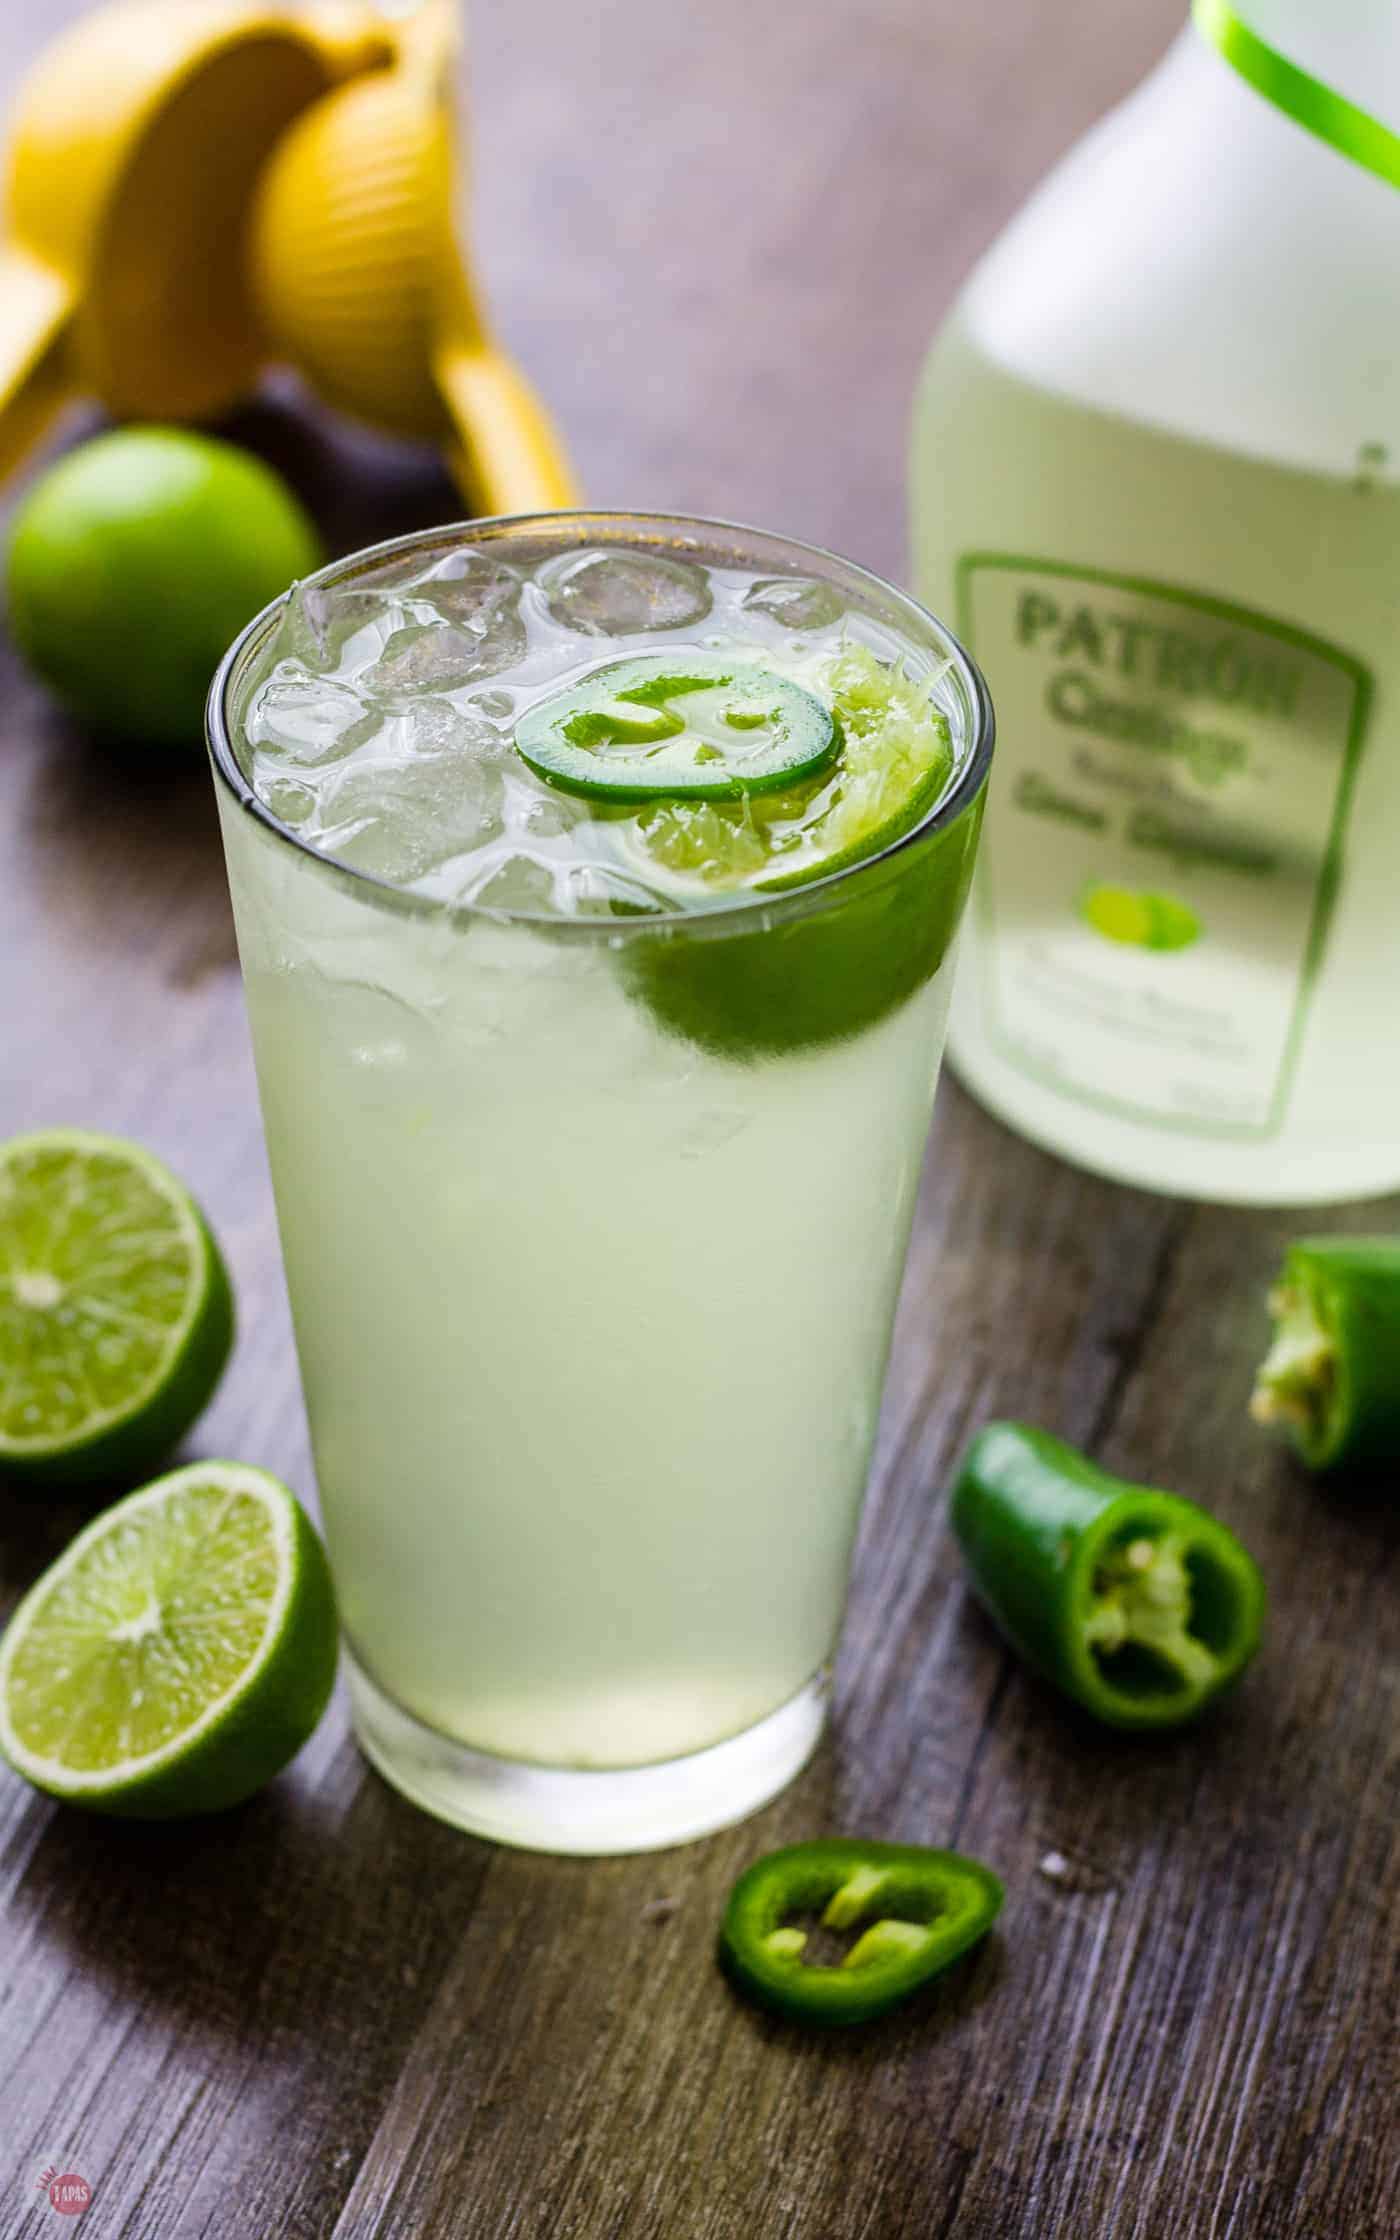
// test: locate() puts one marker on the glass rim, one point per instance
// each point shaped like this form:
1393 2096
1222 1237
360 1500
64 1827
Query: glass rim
749 907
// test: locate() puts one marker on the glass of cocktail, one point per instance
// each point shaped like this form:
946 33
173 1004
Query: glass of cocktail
596 880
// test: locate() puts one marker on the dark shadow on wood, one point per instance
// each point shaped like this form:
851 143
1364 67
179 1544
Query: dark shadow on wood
36 1525
1360 1502
96 808
255 1905
361 487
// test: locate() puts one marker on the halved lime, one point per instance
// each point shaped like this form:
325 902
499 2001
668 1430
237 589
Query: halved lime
116 1316
178 1653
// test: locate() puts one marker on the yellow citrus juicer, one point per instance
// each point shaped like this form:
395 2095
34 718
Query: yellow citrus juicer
138 139
361 282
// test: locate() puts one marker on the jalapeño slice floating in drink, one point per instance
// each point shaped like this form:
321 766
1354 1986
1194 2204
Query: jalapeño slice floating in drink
701 729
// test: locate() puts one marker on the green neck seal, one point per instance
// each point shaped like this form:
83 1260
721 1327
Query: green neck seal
1315 106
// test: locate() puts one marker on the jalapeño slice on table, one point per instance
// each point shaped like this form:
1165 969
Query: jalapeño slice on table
913 1912
692 727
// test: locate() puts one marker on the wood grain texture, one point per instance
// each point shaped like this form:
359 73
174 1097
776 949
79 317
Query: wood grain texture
721 239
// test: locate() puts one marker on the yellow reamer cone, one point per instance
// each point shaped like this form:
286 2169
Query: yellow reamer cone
361 282
196 186
134 153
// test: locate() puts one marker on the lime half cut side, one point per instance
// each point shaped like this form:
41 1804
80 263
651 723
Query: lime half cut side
178 1653
893 762
116 1316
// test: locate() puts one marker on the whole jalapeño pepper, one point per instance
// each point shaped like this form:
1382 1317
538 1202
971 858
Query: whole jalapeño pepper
1136 1603
916 1912
1331 1379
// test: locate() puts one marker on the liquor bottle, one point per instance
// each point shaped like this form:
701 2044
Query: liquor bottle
1157 479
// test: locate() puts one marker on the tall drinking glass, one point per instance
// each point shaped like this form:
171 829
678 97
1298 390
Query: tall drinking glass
594 1179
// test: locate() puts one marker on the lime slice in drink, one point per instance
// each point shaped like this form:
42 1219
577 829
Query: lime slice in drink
179 1652
892 760
812 979
116 1316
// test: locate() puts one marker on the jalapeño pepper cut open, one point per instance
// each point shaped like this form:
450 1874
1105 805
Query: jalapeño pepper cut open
910 1913
681 727
1331 1379
1136 1603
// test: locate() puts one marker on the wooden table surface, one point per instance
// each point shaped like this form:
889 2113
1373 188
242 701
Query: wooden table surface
721 237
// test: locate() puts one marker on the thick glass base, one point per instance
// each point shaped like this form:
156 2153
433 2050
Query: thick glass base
547 1808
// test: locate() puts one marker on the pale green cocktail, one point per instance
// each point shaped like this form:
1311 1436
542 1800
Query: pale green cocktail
596 1032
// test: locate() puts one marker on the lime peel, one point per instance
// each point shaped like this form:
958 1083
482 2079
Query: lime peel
134 560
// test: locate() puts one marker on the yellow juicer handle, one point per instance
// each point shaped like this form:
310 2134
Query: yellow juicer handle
361 280
36 307
505 454
507 457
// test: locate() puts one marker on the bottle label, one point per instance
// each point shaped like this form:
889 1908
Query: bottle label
1164 845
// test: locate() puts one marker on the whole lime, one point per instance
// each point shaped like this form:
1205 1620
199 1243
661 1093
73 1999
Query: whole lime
133 564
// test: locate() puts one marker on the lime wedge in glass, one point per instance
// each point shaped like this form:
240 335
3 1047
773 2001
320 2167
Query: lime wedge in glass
116 1316
178 1653
819 978
893 762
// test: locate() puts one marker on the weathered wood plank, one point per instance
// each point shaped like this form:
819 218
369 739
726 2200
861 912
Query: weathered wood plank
721 242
